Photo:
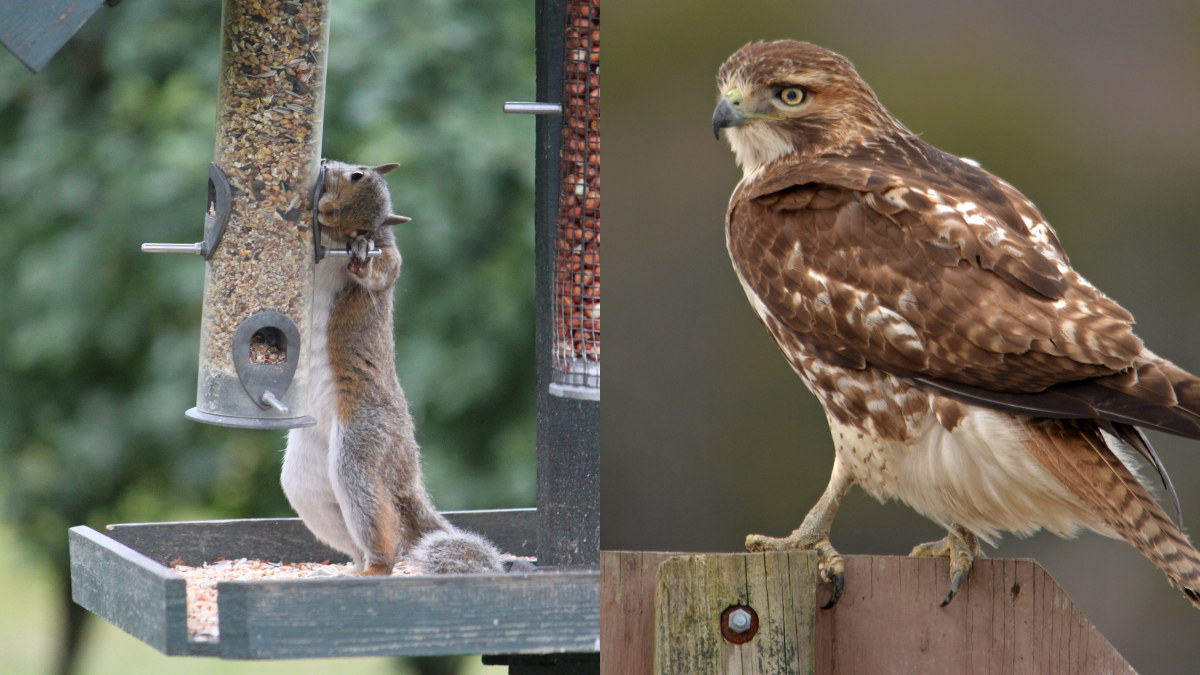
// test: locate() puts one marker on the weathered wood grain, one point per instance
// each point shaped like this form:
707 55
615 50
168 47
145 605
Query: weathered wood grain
361 616
693 592
627 582
1011 618
35 31
129 590
288 540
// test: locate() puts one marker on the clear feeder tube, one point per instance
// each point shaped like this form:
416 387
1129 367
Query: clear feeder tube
575 362
271 96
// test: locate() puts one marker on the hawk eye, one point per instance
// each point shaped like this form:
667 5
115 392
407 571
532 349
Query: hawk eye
792 96
356 176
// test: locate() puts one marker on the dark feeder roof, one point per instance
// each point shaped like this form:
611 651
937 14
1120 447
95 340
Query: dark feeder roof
34 30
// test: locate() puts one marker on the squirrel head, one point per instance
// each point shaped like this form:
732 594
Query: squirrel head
356 199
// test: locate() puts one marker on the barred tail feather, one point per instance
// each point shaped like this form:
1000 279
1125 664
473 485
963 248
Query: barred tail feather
1076 454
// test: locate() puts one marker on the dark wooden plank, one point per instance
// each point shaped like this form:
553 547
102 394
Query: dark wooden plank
362 616
198 542
512 530
547 664
288 540
35 31
129 590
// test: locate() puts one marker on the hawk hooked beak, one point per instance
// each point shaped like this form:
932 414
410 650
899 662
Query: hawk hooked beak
726 116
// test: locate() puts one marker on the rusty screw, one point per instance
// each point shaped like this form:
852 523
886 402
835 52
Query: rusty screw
739 624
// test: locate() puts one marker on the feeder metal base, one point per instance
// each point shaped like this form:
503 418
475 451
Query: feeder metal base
196 415
575 391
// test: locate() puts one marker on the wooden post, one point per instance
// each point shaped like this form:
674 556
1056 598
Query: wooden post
696 595
1010 617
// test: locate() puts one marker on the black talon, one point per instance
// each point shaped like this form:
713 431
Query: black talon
839 581
955 584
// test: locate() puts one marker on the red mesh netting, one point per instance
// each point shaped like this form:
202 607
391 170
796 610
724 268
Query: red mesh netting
576 360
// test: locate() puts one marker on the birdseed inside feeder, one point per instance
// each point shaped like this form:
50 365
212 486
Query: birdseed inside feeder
259 242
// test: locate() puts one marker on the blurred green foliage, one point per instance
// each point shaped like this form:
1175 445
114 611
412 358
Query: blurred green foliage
108 148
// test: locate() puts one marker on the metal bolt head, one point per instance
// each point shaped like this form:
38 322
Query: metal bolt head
739 621
739 624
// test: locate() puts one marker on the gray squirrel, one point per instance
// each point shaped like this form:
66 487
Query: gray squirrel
355 477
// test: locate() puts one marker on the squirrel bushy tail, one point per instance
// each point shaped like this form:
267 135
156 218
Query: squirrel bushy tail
455 551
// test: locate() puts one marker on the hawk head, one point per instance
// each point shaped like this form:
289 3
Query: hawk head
779 98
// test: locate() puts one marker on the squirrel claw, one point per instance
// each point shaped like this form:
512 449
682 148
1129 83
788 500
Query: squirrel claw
359 247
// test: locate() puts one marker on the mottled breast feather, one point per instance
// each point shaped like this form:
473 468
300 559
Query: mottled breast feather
904 258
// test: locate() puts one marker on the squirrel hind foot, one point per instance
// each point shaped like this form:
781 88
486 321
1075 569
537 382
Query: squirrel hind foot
456 552
376 569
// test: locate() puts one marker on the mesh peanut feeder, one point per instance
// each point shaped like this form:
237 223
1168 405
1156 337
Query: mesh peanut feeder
576 349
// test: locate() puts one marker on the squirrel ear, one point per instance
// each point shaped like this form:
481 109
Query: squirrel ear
385 168
394 219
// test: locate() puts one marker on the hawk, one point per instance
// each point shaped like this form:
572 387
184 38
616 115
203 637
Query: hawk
964 367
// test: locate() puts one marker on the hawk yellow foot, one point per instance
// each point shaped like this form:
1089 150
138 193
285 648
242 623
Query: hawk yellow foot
830 565
961 546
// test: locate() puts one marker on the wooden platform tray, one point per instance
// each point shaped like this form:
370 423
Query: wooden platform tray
122 575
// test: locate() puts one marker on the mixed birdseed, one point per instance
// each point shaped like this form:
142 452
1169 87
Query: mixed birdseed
270 98
202 585
577 256
264 350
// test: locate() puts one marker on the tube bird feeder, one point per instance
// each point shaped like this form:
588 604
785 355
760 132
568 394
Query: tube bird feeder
260 241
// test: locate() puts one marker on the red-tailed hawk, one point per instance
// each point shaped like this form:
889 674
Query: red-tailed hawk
964 367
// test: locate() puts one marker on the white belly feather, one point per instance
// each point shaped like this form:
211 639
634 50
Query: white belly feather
979 475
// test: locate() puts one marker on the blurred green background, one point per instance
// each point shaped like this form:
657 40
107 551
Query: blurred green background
108 148
1091 109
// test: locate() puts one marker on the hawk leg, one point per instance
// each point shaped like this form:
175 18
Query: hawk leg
813 535
961 546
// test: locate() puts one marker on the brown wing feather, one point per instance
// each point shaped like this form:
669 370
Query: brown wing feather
1076 454
912 261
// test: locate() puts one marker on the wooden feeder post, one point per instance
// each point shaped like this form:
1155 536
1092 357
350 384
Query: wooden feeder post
666 613
568 429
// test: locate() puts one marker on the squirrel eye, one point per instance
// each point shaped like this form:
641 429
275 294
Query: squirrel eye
356 176
792 95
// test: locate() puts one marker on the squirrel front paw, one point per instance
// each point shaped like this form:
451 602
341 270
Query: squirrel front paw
359 247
